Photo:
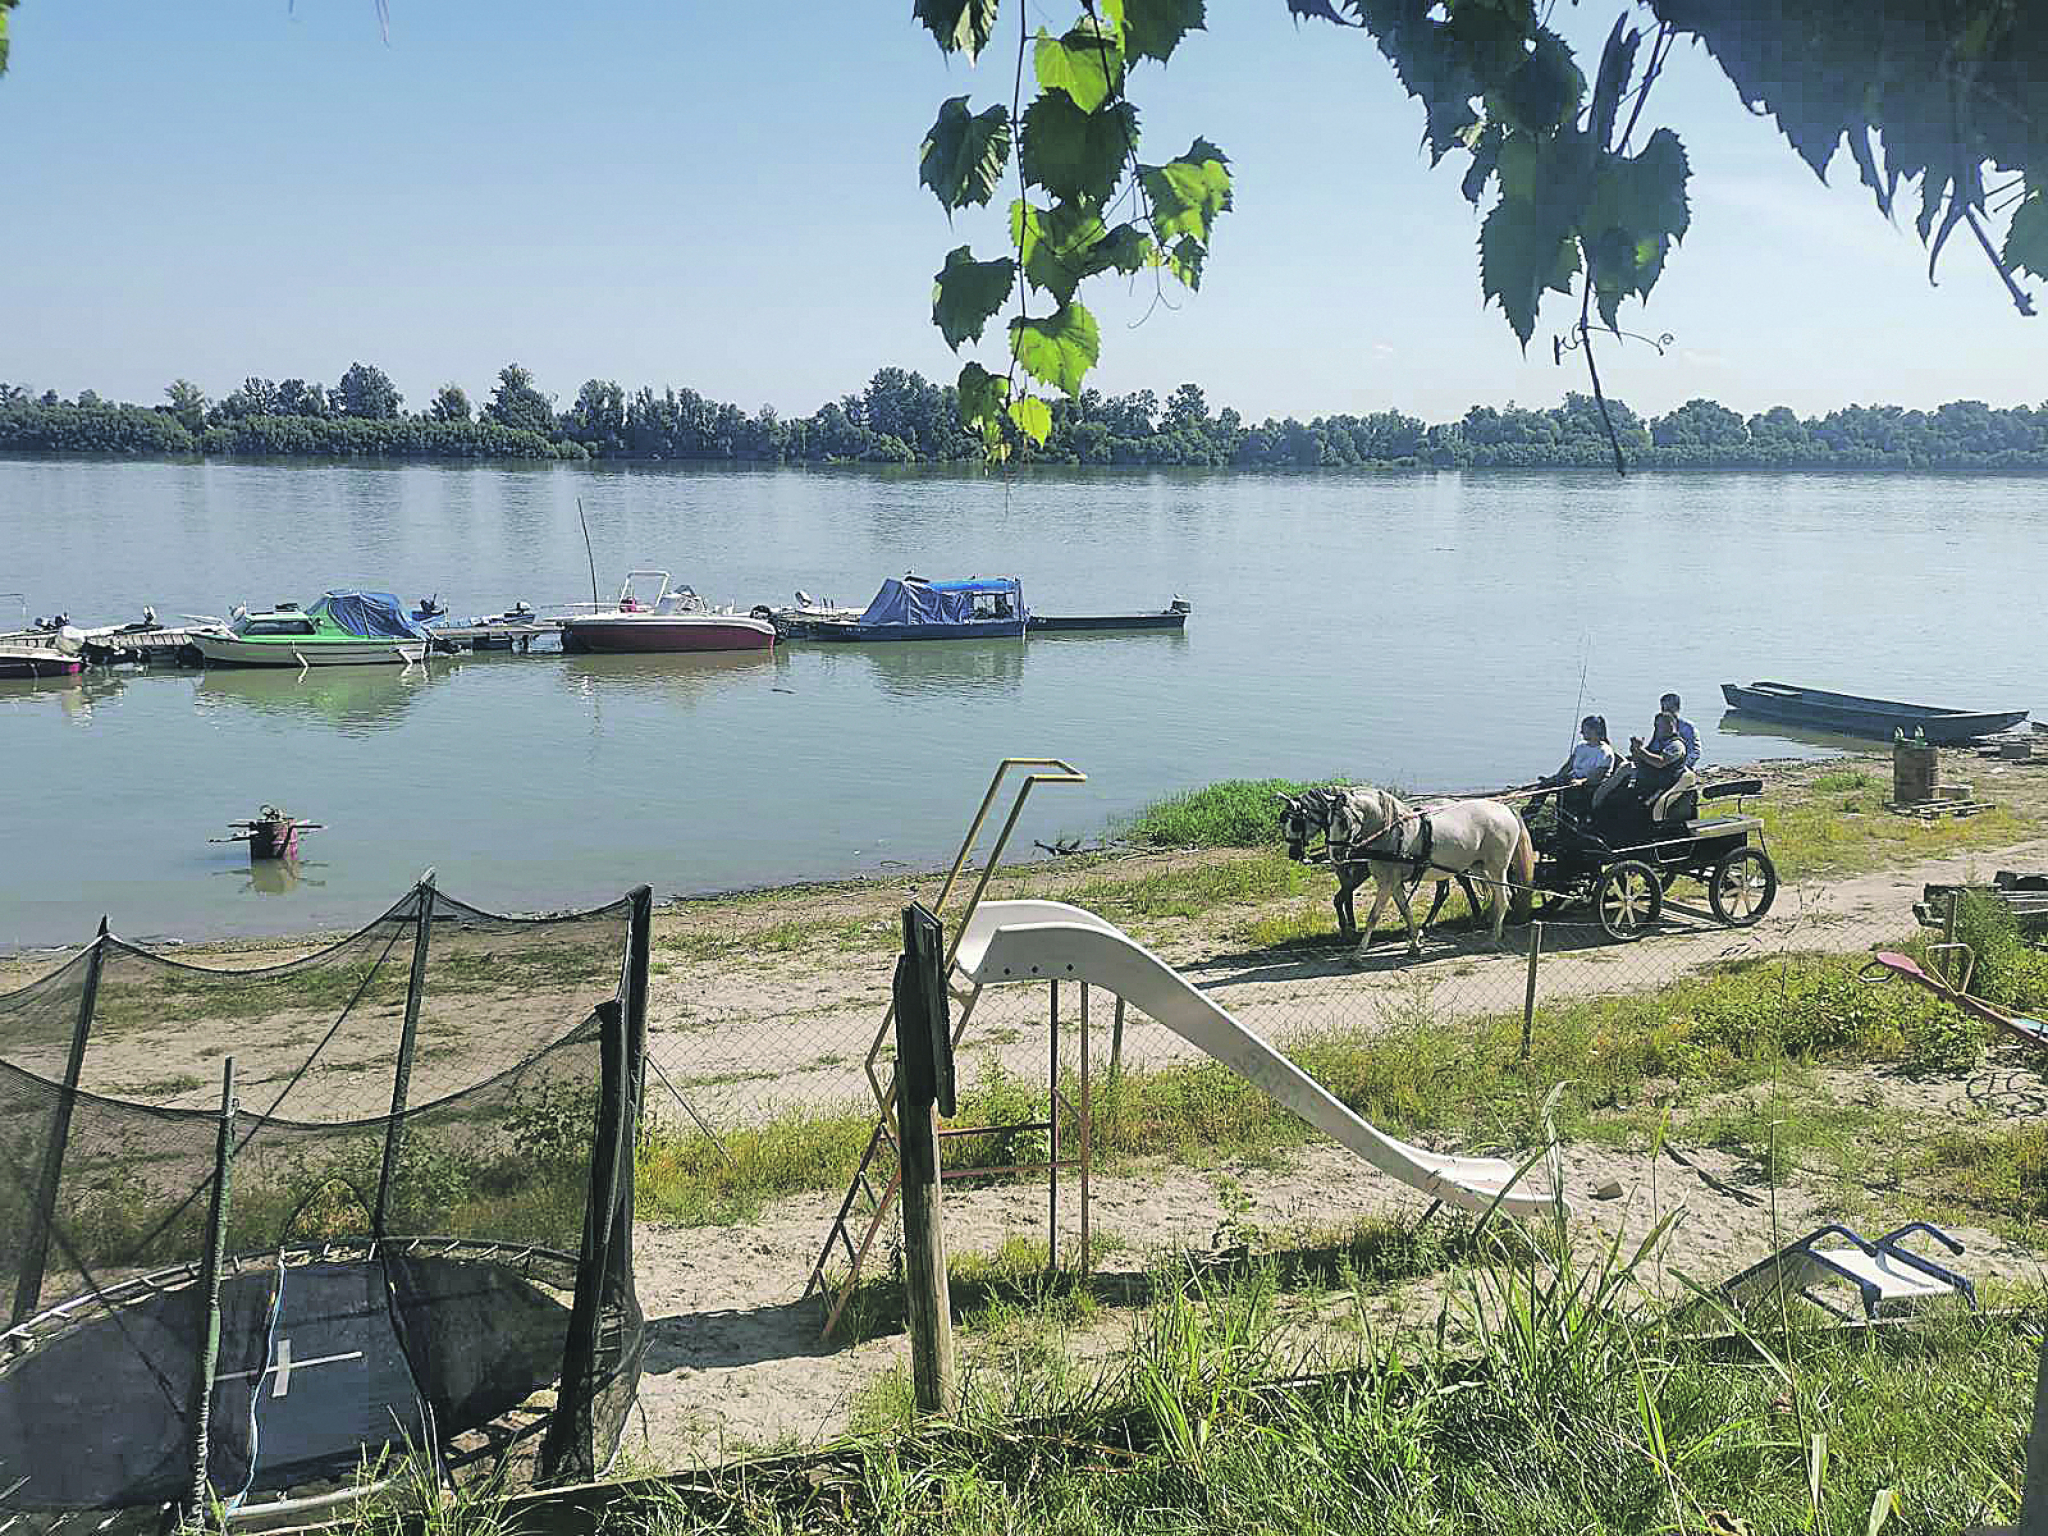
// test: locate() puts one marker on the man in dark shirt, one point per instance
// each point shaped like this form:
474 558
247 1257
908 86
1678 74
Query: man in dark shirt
1671 705
1660 761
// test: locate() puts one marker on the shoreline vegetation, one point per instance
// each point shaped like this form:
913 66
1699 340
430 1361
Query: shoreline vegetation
900 417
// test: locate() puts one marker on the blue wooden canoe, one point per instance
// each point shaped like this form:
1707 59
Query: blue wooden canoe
1852 714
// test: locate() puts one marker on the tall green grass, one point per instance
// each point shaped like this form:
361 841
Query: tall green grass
1236 813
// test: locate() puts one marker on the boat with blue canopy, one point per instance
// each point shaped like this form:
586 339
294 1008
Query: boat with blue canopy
344 628
983 607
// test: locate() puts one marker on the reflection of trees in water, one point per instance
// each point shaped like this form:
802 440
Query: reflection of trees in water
362 698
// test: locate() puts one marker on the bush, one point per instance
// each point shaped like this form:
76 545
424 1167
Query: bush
1237 813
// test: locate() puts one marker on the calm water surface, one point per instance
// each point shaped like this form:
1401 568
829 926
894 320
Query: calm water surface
1429 630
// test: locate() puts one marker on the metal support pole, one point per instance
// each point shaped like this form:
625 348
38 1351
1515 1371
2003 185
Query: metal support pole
408 1039
1948 936
28 1289
1529 992
1052 1120
1087 1137
200 1408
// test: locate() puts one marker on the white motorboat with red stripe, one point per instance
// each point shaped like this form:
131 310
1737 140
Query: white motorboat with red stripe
675 620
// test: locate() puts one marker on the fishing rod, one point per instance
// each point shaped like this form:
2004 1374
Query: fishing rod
586 552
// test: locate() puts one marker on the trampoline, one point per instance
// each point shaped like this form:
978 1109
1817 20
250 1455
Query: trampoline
450 1281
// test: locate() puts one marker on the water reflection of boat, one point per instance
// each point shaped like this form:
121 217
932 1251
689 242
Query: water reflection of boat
355 698
667 675
274 877
934 668
1737 723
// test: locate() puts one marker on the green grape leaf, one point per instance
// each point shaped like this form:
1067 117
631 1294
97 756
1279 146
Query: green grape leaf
1617 64
1061 245
1184 260
1636 209
967 292
2026 240
1088 64
1076 155
1060 348
1189 192
963 156
1154 28
1486 146
960 26
1033 418
981 394
1522 252
1544 91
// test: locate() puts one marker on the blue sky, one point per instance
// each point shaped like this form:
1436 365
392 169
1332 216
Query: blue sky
725 197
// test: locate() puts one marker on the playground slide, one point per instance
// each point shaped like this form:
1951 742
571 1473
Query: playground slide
1012 941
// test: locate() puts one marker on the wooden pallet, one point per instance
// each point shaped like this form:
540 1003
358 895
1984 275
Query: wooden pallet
1935 810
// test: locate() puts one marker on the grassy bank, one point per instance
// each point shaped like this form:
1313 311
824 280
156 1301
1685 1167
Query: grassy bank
1559 1406
1733 1058
1819 818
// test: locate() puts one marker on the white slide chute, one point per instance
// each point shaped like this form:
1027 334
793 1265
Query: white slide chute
1019 941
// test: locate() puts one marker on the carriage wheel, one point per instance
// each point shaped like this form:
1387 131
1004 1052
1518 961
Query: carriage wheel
1628 897
1742 887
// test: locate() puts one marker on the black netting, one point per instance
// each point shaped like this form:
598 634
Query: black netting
455 1278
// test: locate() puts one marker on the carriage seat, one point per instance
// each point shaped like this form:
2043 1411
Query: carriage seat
1724 826
1720 789
1680 802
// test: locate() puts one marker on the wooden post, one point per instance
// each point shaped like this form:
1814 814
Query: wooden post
1529 992
1116 1042
408 1040
927 1295
1052 1121
1087 1137
199 1410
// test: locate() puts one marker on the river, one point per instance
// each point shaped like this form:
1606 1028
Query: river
1425 629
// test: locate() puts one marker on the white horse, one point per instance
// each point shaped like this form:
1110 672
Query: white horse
1372 832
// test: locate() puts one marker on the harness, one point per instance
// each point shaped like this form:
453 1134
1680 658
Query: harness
1418 859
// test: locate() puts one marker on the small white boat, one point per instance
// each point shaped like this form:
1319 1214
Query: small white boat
675 620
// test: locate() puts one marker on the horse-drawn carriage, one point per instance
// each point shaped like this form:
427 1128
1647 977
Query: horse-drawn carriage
1622 862
1618 859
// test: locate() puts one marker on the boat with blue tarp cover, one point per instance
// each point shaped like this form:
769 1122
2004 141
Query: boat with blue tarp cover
983 607
344 628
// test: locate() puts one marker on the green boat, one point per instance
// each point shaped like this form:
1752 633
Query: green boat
343 629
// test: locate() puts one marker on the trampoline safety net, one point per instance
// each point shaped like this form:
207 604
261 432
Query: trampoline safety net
409 1233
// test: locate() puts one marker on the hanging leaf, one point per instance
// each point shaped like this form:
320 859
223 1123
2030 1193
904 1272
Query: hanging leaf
2026 241
962 158
1033 417
1486 147
1522 252
1184 260
1637 208
1087 64
1189 192
967 292
1543 92
981 394
960 26
1059 349
1074 154
1154 28
1061 245
1617 63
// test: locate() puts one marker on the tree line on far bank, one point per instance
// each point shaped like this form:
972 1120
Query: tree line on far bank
903 418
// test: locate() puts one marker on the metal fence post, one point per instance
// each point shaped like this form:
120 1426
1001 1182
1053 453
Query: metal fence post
1052 1121
1529 992
28 1290
201 1405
